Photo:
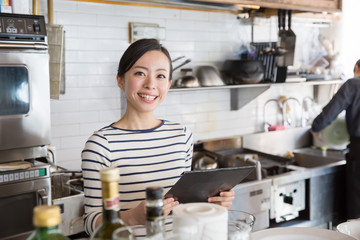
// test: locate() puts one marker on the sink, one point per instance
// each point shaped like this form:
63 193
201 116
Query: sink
67 193
311 158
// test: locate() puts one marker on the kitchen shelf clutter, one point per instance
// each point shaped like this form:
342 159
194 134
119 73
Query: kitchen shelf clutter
304 5
244 93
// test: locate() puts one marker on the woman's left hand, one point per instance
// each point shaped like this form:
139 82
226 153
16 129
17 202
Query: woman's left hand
225 199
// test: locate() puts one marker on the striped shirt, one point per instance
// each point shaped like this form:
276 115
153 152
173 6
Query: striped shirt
153 157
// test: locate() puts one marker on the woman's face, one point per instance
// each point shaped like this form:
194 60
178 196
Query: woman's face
147 82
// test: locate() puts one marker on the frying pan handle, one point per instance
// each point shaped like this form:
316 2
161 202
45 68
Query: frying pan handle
186 62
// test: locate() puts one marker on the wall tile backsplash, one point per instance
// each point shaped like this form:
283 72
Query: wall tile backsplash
97 35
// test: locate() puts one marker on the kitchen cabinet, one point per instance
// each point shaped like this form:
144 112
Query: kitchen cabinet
240 95
303 5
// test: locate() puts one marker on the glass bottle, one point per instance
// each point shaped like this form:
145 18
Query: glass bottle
155 223
46 220
111 206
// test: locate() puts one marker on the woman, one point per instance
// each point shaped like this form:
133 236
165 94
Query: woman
148 151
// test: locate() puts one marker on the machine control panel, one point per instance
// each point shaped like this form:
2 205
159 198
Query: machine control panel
24 175
17 27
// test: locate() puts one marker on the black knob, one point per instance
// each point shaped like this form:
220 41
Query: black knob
36 27
288 199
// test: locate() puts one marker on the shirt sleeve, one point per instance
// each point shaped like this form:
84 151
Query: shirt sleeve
341 101
95 157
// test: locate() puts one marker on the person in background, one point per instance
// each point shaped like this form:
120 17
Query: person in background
348 99
148 151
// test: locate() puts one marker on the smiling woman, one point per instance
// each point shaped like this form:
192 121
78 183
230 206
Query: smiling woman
147 151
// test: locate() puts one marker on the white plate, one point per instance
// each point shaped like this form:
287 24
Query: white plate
298 233
351 228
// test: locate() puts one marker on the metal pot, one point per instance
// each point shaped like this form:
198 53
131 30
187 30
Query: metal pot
187 81
204 160
209 76
244 71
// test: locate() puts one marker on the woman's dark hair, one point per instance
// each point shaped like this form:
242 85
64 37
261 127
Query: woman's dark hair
136 50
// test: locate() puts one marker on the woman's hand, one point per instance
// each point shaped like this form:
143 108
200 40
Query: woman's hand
135 216
169 204
225 199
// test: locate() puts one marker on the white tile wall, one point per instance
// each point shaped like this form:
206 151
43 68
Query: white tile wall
97 35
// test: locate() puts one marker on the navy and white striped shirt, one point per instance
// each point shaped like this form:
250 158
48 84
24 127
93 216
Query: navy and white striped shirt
153 157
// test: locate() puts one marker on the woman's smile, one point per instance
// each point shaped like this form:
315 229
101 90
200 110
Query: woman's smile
146 97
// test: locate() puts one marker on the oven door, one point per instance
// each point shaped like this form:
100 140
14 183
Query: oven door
17 201
24 98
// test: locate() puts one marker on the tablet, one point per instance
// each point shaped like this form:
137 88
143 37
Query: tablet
199 185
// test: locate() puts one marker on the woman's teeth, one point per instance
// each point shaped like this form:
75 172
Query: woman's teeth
147 97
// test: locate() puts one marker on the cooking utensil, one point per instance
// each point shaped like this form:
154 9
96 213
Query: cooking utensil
182 64
204 159
244 71
188 80
209 76
287 39
178 58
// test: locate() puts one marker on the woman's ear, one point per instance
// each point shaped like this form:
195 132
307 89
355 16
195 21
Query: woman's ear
170 82
120 82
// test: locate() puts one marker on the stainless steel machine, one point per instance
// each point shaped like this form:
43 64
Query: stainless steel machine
24 122
24 87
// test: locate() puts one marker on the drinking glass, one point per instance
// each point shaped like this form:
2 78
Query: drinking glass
122 233
238 230
241 216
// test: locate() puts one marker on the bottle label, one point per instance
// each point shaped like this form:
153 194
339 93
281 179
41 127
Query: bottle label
112 203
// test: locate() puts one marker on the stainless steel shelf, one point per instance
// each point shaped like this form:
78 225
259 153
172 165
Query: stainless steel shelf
240 95
258 85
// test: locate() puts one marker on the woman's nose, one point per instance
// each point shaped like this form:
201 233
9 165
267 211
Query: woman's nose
150 82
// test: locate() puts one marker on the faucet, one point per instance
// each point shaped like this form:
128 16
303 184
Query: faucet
266 124
306 108
286 119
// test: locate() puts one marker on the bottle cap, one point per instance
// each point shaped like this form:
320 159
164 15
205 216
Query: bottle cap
154 193
46 216
110 175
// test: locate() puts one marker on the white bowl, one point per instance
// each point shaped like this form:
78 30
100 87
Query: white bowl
351 228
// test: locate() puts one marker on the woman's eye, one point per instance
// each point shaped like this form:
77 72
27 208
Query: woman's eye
161 76
140 74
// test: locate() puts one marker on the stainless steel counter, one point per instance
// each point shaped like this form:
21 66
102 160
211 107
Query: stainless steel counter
322 171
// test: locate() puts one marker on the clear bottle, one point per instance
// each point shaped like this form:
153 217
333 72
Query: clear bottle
111 206
46 220
155 223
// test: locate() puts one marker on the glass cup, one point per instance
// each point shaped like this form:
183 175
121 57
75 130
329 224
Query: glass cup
238 230
122 234
240 216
